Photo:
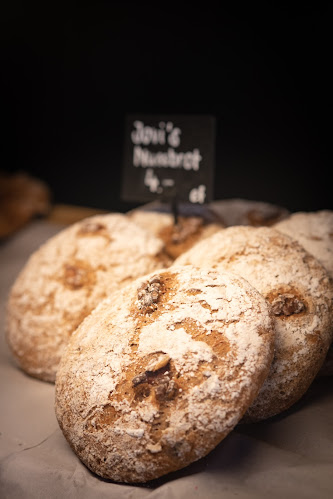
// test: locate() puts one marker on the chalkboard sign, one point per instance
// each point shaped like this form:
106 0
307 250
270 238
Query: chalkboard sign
169 157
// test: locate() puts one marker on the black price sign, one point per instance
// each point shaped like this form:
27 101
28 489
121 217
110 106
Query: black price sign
169 157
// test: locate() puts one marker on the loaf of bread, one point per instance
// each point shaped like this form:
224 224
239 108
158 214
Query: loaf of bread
300 293
66 278
179 231
314 231
162 370
237 211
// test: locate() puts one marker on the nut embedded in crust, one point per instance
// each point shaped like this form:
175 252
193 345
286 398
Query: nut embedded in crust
156 380
148 294
287 304
91 227
75 276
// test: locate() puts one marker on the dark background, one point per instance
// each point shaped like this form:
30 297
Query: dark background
71 72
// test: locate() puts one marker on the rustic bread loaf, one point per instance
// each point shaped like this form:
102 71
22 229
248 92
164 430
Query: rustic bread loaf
237 211
300 294
161 371
22 198
66 278
177 237
314 231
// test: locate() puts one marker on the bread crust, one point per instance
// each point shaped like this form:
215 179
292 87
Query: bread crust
160 372
66 278
237 211
177 237
298 289
314 231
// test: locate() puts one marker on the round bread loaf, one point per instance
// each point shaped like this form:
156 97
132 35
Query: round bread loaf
161 371
314 231
236 211
182 208
300 293
66 278
177 237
